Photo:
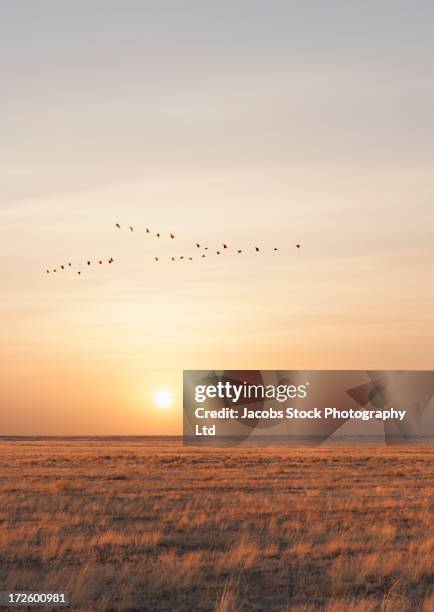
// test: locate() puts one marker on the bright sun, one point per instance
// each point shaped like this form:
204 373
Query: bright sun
163 398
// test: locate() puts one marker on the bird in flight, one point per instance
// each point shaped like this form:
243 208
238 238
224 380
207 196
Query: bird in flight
118 226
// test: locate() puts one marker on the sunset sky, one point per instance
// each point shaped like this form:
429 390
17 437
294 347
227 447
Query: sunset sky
251 123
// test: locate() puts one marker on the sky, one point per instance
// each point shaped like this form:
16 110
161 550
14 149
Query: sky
246 122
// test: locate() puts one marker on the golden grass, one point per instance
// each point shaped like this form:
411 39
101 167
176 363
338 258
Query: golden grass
134 525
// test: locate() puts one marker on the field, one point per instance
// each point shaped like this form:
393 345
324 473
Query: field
136 524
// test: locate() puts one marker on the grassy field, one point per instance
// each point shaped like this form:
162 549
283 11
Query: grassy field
139 525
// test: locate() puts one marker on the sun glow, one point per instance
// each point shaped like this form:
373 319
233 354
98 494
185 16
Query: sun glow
163 398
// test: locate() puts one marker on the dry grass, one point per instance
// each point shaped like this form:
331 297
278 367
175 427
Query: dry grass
134 525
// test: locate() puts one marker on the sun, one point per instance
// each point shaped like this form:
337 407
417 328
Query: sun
163 398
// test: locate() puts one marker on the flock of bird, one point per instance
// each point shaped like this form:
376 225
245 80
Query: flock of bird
219 250
172 236
88 262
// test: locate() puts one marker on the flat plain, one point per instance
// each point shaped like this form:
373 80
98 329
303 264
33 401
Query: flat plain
147 524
